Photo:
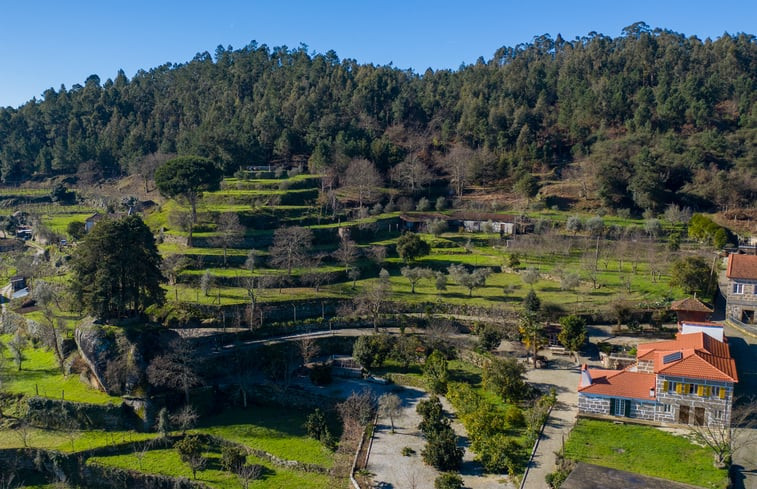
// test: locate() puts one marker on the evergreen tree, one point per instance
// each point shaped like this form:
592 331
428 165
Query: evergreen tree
116 269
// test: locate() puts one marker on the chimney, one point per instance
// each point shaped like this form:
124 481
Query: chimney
585 376
651 392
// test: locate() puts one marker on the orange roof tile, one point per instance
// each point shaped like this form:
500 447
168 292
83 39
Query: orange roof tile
741 266
702 357
690 341
700 365
689 304
621 383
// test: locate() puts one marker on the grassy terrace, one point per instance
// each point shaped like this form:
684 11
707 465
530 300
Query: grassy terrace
277 431
39 373
167 462
70 441
644 450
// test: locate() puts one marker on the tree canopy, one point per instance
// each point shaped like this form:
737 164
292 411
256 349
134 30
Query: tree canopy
116 269
645 119
188 177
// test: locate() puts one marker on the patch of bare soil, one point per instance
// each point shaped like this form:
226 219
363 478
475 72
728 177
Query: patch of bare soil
738 220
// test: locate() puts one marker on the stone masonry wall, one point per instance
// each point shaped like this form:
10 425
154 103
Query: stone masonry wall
736 302
593 405
710 404
643 410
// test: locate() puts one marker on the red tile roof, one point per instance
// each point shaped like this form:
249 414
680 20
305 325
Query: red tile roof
742 266
621 383
702 357
700 365
690 341
689 304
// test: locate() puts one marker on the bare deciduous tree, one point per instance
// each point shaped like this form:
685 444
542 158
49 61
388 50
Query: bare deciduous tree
347 252
172 266
362 179
309 349
248 473
290 247
52 330
390 405
724 440
145 167
457 163
176 369
370 302
411 173
229 232
185 418
355 412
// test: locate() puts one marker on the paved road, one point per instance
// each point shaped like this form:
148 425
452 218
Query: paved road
744 350
563 377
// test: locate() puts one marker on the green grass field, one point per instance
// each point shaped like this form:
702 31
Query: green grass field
167 462
39 375
644 450
69 441
277 431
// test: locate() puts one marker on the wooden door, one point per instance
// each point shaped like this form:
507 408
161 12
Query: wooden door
683 414
699 416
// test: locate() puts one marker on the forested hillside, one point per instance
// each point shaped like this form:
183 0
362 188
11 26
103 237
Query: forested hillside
642 120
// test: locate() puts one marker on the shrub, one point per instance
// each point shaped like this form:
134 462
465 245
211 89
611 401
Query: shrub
441 450
371 351
441 203
514 417
233 458
407 452
448 480
320 374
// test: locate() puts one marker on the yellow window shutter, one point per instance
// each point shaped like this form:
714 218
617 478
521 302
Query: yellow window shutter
664 386
707 391
700 390
679 388
722 393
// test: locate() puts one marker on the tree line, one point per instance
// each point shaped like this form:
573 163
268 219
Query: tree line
645 119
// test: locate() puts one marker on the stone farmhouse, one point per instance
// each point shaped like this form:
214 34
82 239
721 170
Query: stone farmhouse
688 380
741 288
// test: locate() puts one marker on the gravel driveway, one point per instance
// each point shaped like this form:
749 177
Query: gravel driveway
393 470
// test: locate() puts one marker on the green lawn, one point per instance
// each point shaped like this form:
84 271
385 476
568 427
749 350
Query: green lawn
39 374
277 431
644 450
65 441
167 462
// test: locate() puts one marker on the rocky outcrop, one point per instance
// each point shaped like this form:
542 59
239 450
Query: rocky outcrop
117 356
96 348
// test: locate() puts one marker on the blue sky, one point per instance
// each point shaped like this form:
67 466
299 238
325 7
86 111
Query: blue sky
45 44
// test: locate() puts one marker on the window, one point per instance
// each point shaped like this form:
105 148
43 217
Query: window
738 288
620 407
692 389
717 414
716 391
667 408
